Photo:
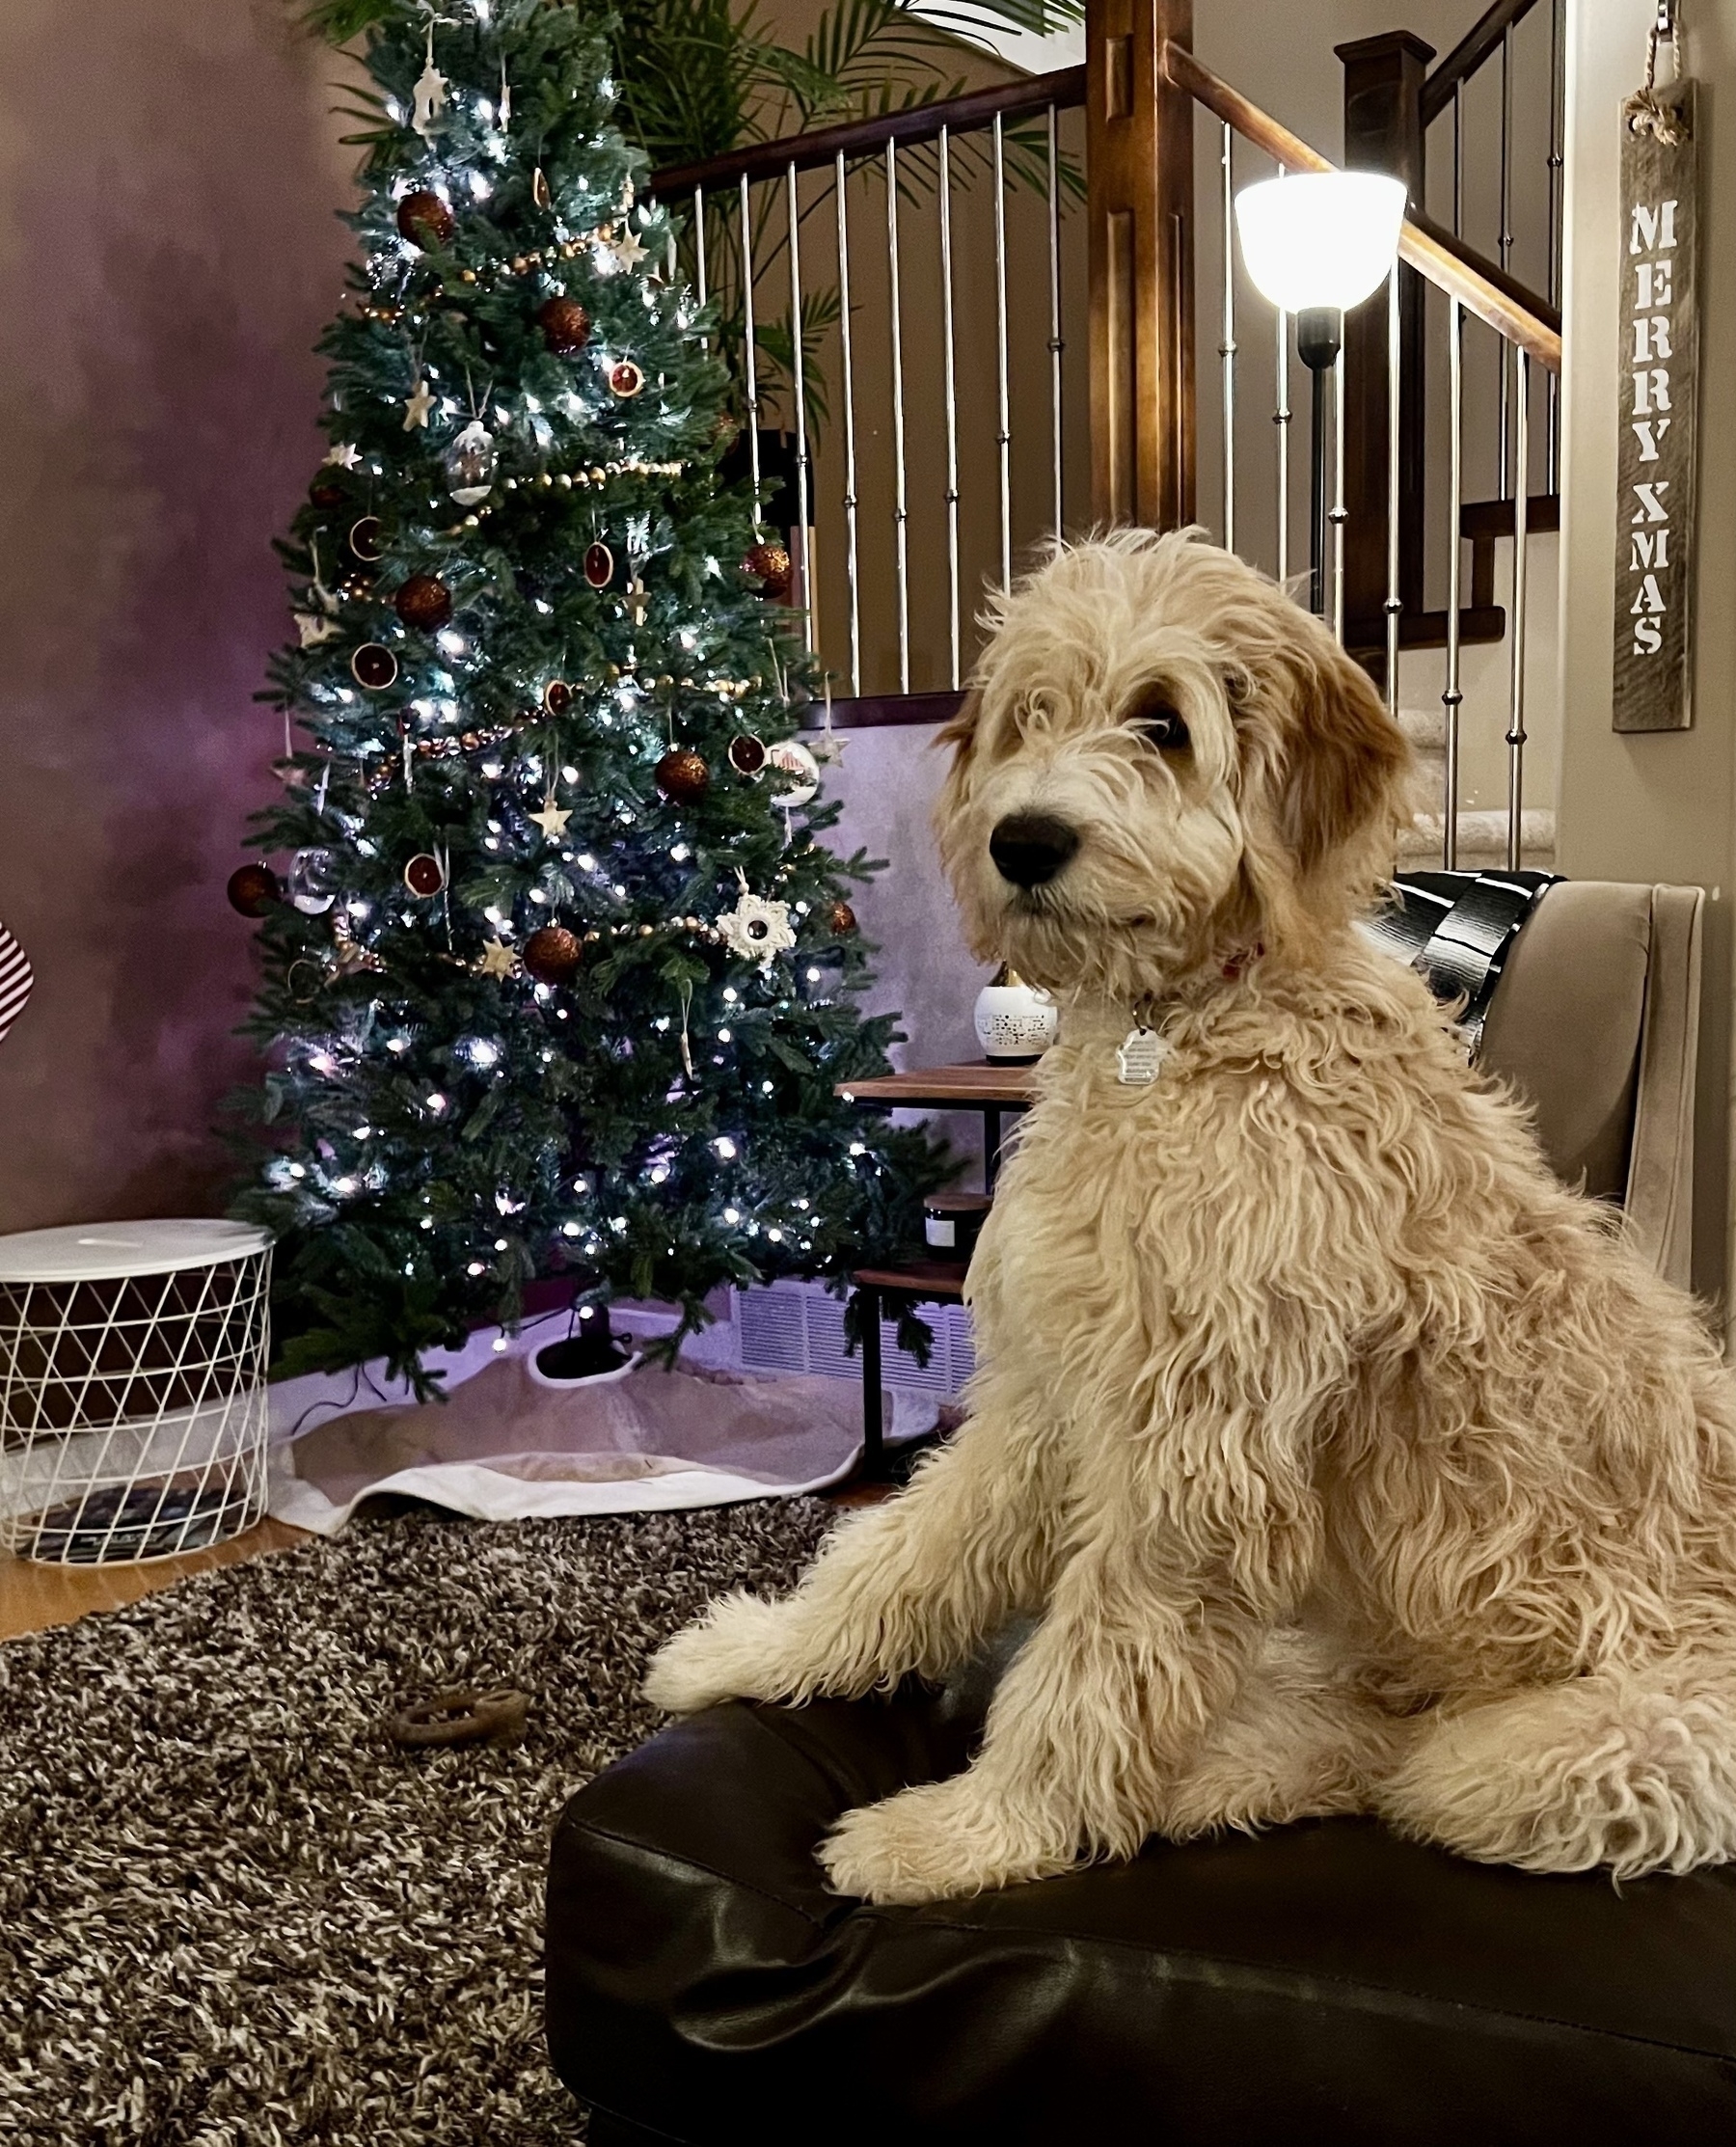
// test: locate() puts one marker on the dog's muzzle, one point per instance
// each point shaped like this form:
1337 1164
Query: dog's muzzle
1029 848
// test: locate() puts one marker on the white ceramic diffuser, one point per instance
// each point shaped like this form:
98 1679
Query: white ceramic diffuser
1015 1021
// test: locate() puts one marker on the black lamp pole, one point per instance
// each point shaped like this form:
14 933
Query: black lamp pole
1319 338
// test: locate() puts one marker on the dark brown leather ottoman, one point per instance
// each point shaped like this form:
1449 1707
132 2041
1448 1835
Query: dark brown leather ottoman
1323 1984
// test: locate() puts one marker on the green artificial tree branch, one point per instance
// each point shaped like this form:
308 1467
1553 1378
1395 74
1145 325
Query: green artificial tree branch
522 591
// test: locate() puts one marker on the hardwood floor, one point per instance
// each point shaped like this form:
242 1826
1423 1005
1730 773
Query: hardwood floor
33 1597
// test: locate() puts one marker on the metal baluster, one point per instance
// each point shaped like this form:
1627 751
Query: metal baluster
950 362
1056 343
798 388
1226 348
1504 247
1515 737
900 509
1005 434
850 455
752 361
1338 514
1281 418
699 238
1394 603
1551 387
1452 697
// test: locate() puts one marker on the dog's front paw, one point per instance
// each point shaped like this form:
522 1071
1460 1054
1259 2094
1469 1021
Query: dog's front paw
943 1838
732 1653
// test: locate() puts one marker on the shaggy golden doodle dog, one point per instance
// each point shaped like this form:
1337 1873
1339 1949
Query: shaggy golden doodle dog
1348 1461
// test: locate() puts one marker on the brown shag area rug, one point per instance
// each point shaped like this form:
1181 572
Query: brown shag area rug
233 1912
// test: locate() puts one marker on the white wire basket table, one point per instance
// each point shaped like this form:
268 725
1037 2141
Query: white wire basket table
132 1389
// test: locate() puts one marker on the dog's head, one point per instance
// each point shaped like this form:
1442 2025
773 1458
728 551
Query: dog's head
1163 762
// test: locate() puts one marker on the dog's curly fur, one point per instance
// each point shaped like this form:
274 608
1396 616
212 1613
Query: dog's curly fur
1351 1463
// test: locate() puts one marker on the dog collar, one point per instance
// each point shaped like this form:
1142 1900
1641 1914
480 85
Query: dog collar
1238 962
1140 1054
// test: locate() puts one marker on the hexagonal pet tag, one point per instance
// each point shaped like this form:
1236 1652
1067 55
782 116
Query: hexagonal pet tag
1139 1057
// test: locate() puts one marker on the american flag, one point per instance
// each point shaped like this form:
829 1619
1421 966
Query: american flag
15 981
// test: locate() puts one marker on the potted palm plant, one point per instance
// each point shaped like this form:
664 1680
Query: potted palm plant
697 78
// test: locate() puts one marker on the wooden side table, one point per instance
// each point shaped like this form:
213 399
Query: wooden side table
989 1088
982 1087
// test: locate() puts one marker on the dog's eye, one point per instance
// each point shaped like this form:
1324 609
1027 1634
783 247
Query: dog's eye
1159 722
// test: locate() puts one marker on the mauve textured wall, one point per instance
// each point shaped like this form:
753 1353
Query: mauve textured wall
170 172
169 169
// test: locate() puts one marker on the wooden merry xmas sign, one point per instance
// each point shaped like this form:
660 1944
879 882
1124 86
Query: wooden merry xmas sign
1655 460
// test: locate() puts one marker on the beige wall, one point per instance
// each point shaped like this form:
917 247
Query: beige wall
1657 807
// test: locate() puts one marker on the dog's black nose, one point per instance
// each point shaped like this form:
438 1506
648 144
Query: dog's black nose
1029 848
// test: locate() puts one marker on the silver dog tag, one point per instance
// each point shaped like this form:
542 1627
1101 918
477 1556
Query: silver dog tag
1139 1057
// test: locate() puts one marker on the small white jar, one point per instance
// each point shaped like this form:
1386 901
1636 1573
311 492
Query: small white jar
1015 1021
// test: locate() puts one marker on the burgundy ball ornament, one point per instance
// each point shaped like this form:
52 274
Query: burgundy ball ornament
625 379
375 666
367 541
747 754
768 564
328 490
254 889
840 919
423 218
682 776
599 566
423 875
565 325
424 602
553 954
558 696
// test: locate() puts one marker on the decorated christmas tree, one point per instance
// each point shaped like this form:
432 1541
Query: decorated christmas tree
558 976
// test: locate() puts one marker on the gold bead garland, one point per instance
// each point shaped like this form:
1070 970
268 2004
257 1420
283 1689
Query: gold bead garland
594 475
505 271
455 743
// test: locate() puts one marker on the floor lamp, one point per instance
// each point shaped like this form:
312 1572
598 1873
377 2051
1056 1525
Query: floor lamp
1316 243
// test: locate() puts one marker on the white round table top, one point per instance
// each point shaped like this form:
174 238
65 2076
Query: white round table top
107 1252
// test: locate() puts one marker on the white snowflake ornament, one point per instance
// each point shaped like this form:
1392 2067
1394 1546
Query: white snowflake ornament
757 930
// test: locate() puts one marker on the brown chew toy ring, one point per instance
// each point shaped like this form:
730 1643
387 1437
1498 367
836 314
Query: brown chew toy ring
465 1717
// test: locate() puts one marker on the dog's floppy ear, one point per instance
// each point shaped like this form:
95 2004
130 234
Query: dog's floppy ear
1345 762
960 732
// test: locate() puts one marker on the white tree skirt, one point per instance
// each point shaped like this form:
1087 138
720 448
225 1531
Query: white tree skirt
507 1444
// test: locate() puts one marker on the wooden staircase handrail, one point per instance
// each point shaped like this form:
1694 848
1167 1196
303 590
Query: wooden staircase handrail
1441 259
912 123
1529 301
1478 44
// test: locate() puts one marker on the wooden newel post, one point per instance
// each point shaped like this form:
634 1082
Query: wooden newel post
1139 150
1383 132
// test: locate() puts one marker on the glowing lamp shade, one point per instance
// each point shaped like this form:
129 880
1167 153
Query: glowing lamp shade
1321 239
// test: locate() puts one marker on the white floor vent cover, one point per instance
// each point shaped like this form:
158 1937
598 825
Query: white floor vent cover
796 1326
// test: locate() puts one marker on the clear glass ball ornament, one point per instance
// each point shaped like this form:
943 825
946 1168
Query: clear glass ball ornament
470 464
312 882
